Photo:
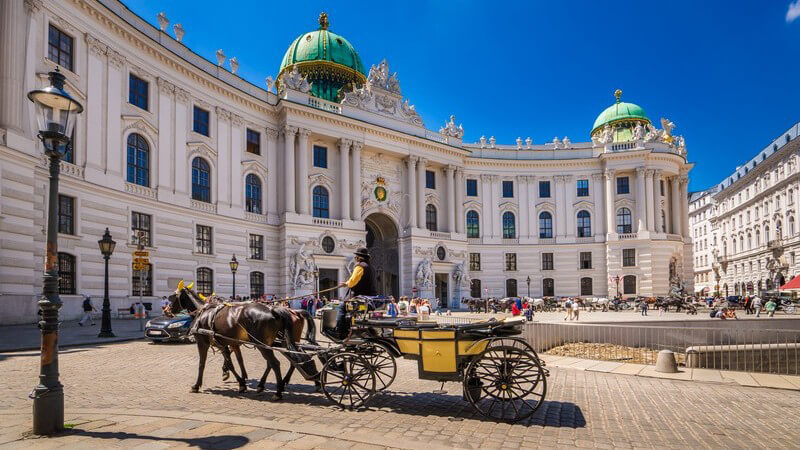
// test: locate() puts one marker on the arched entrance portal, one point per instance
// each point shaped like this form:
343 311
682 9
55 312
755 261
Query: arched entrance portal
384 257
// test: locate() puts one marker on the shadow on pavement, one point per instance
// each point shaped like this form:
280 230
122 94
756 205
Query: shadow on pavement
228 441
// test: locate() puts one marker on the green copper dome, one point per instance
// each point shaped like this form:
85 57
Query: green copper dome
329 62
620 112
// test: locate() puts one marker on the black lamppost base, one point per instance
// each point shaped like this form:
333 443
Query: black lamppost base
106 334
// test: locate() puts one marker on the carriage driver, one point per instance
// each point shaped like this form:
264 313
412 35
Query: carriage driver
361 282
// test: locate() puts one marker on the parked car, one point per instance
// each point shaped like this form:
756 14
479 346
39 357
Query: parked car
169 329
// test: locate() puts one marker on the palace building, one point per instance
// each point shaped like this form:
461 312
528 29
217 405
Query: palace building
293 176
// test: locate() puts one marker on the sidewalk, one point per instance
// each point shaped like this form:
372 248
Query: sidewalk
27 337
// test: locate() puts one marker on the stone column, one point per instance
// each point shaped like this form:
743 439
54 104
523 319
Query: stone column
355 175
569 200
497 226
421 192
659 224
344 177
609 175
676 207
113 118
411 190
524 222
13 34
651 203
533 220
598 221
641 210
165 178
182 165
301 183
460 188
223 186
684 205
272 167
237 147
289 133
561 206
94 112
451 198
486 199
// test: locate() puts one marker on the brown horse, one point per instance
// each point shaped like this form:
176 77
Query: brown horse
223 325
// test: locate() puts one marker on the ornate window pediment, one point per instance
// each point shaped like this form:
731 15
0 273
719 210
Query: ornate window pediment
473 204
545 205
624 202
202 149
322 179
139 125
255 167
508 206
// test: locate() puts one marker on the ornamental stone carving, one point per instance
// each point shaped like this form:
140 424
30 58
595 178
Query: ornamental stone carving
450 129
165 87
223 114
220 57
163 22
302 268
181 95
381 94
424 274
179 32
95 46
295 81
234 65
461 276
379 76
115 59
528 142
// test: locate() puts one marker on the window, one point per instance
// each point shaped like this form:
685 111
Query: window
328 244
473 224
137 91
256 246
203 242
141 223
509 226
321 203
475 288
201 121
441 253
138 160
545 225
623 185
430 179
430 217
201 180
253 142
629 284
59 48
142 279
253 194
320 157
511 287
66 274
586 286
547 261
475 261
205 281
544 189
583 188
628 257
508 189
584 224
472 188
624 221
548 287
256 284
511 262
585 259
66 214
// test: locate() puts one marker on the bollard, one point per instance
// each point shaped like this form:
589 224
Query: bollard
666 362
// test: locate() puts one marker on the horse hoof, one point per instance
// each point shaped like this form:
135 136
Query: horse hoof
225 376
195 389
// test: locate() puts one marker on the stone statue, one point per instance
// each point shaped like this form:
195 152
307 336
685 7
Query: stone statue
519 143
666 134
220 57
492 141
483 141
607 135
424 276
528 142
450 129
162 21
461 276
295 81
638 132
652 134
302 268
566 142
556 142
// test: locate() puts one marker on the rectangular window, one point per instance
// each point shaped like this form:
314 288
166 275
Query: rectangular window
511 262
508 189
547 261
143 278
623 185
253 142
585 260
201 121
320 157
203 240
137 91
59 48
472 188
256 246
628 257
544 189
66 214
430 179
141 223
475 261
583 188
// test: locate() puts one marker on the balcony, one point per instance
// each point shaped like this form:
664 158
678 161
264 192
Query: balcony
328 223
510 241
628 236
324 105
141 191
547 241
440 235
203 206
253 217
775 244
474 241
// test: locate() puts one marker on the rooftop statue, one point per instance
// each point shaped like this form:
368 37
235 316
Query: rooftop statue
450 129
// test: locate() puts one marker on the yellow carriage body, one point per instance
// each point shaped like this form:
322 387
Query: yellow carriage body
438 351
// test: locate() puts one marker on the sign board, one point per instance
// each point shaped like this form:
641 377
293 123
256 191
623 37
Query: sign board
141 260
139 266
141 253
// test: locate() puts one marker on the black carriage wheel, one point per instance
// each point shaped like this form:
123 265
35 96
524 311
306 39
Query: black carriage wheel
506 382
348 380
383 364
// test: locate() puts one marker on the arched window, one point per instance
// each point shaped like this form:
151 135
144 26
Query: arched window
548 287
766 233
475 288
586 286
624 221
509 226
663 222
778 230
256 284
66 274
545 225
741 243
430 217
584 224
749 241
205 280
321 203
201 180
473 224
511 287
138 160
758 237
629 284
253 194
791 225
733 244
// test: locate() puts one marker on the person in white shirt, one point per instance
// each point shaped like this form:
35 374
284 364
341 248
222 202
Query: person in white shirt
757 305
575 309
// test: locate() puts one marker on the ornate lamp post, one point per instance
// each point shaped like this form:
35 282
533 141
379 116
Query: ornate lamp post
106 248
528 280
234 267
55 112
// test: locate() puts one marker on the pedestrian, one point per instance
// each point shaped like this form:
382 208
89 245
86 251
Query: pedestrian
771 306
568 308
748 302
757 305
529 311
88 309
644 307
515 311
402 306
164 302
391 308
662 309
575 309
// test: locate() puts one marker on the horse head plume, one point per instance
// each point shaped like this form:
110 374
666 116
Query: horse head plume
191 285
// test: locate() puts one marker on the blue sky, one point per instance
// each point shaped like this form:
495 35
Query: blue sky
725 72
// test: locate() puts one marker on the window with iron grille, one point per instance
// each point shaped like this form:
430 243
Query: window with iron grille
59 48
508 189
141 223
66 274
253 142
143 278
586 286
585 260
475 288
256 284
328 244
623 185
320 157
472 188
66 214
629 284
511 262
137 92
628 257
203 243
511 287
544 189
475 261
201 121
430 179
256 246
547 261
548 287
582 188
205 281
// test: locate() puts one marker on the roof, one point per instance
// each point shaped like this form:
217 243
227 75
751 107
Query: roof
620 111
793 284
323 46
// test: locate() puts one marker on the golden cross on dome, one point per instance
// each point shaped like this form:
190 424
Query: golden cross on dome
323 21
618 94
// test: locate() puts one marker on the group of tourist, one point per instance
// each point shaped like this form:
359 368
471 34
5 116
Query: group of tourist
750 305
405 307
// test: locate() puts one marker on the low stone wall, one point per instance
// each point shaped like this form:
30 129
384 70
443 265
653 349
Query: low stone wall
768 358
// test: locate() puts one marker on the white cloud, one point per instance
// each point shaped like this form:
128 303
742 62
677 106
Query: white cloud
793 12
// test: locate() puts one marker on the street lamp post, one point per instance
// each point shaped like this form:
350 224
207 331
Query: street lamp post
234 267
528 280
55 112
106 248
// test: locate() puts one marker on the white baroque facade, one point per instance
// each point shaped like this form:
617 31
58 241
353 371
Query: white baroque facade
208 166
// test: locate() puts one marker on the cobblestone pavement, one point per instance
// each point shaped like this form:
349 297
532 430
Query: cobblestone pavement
137 394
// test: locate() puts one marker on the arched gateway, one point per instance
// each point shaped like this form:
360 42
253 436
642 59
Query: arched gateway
384 257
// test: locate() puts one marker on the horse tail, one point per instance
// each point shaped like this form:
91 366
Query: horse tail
285 316
311 327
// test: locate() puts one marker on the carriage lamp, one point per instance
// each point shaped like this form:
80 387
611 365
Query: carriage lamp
528 280
234 264
106 245
55 113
